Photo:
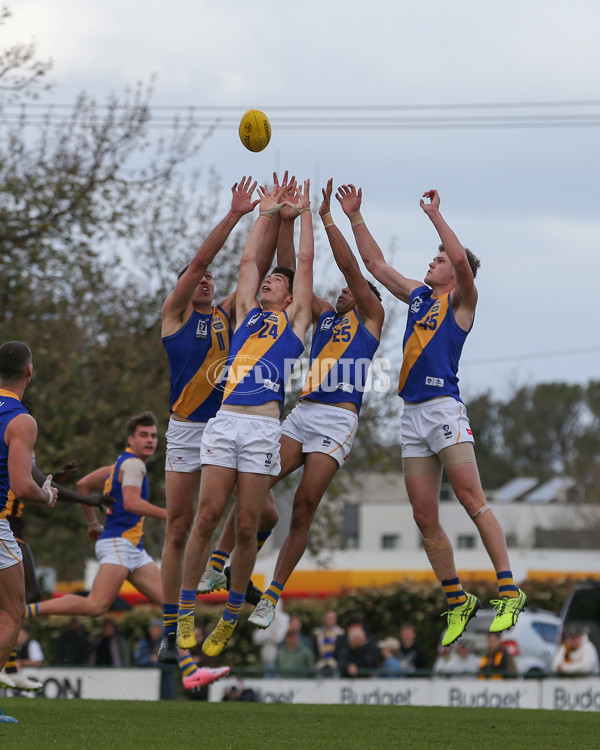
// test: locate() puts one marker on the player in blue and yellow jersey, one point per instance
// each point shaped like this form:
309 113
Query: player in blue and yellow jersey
11 676
319 431
241 444
119 546
435 428
196 335
18 431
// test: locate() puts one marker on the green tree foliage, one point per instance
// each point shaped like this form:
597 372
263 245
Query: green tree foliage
540 431
97 216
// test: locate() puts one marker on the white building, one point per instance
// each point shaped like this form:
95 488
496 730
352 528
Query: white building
548 535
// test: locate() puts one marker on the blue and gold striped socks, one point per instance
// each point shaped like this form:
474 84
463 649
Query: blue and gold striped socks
273 593
454 592
506 584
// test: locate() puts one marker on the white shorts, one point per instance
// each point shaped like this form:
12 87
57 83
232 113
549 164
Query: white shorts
10 552
322 428
430 427
120 551
183 446
245 442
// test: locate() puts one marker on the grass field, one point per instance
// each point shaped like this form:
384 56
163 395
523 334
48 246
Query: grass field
120 725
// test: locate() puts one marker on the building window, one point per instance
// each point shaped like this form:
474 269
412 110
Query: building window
446 492
351 529
466 541
390 541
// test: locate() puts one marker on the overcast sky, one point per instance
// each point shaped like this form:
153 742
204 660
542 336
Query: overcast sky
524 199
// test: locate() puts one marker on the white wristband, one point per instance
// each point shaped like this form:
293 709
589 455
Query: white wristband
48 487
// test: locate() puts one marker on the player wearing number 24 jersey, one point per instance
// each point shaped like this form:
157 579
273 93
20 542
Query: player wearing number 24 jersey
240 445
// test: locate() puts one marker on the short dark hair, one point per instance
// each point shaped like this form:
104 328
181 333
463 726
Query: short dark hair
14 358
474 261
145 419
289 273
374 289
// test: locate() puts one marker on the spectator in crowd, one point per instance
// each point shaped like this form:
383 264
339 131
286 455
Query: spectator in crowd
497 663
577 655
294 659
29 651
110 649
268 640
412 655
146 655
324 640
72 646
296 624
391 664
460 661
356 651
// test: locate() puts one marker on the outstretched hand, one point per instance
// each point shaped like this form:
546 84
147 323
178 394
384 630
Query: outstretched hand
434 201
350 199
271 201
301 200
325 207
241 196
287 213
61 476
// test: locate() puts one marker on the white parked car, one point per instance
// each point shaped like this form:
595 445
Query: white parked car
532 642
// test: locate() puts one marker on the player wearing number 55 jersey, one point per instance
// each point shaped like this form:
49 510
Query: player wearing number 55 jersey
435 428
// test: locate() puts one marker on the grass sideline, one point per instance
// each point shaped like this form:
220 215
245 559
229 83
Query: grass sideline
143 725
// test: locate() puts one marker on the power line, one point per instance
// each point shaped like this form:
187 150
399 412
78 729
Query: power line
331 117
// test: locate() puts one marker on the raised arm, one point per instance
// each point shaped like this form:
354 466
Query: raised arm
286 252
300 311
178 305
369 307
350 199
465 289
249 279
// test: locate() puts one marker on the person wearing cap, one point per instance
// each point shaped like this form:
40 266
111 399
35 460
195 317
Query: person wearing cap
577 655
391 666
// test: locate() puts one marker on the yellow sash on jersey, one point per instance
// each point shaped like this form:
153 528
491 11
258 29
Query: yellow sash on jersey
253 350
423 332
328 357
206 377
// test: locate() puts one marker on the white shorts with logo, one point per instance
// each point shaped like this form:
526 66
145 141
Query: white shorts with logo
10 552
322 428
431 426
245 442
183 446
120 551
